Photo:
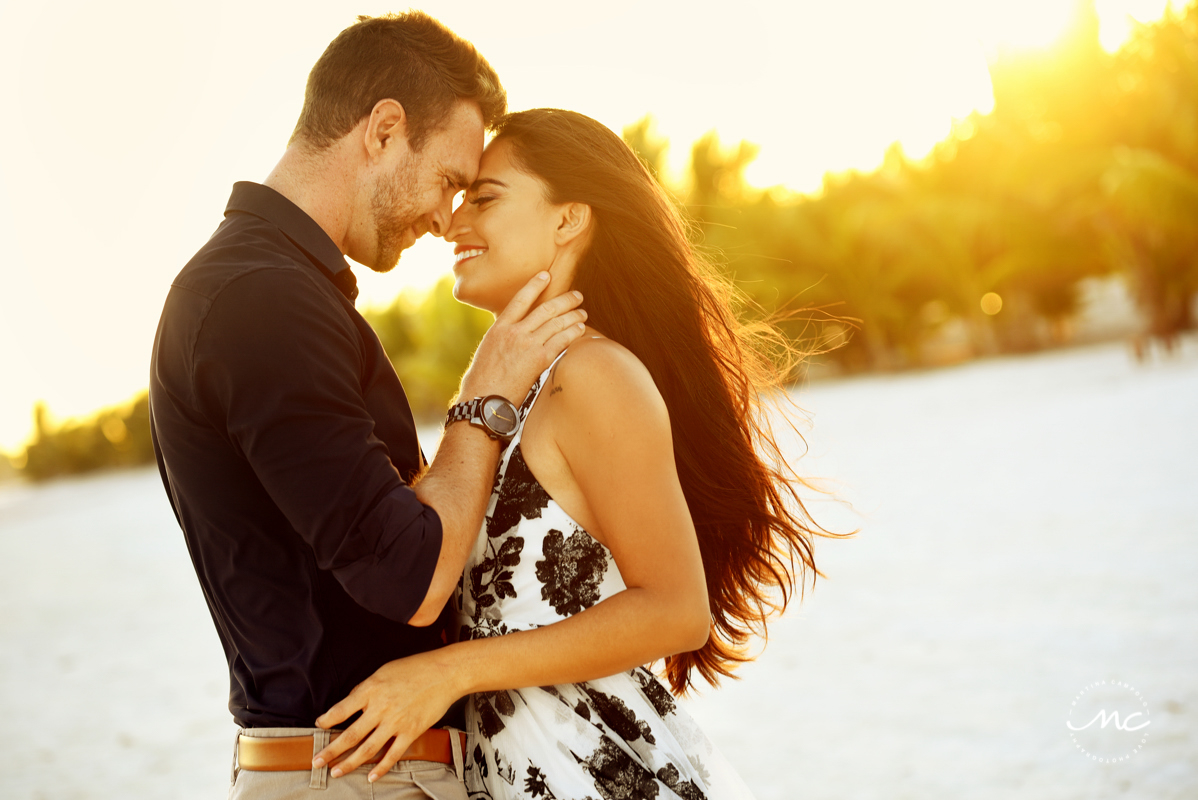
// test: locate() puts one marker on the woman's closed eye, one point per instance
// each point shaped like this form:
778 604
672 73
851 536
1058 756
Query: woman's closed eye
481 200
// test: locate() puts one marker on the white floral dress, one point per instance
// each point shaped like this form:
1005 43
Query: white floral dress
619 737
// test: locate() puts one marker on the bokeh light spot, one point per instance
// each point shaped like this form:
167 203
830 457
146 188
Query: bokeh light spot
114 430
991 303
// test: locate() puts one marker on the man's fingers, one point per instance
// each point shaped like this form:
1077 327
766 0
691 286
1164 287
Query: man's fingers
340 712
398 747
368 748
558 324
512 353
519 305
564 339
552 308
345 741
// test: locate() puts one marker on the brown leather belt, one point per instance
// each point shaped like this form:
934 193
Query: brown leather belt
286 753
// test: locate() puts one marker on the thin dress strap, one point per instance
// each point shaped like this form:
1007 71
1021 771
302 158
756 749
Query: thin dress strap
541 381
544 379
526 410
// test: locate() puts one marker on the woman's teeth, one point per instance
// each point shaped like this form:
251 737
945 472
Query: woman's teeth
465 254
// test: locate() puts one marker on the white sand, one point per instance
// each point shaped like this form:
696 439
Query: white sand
1029 526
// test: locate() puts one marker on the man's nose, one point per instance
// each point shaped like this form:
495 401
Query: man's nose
440 220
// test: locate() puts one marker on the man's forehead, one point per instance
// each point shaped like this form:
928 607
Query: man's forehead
459 179
463 141
453 160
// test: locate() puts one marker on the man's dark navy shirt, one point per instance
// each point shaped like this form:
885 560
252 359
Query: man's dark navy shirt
285 442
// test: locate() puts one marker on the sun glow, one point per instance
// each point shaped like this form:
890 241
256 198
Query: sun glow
1118 19
94 235
1020 24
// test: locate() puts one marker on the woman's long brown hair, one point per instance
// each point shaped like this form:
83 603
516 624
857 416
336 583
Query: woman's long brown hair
646 287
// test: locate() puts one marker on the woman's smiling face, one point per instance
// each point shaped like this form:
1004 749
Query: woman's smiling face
504 233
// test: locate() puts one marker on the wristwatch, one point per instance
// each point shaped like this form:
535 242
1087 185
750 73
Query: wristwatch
494 414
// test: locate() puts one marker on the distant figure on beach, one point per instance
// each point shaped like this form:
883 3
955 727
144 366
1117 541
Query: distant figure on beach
604 496
633 518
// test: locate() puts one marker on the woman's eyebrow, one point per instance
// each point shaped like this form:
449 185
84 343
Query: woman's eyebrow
482 181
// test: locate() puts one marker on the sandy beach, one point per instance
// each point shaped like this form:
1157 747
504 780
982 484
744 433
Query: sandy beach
1028 527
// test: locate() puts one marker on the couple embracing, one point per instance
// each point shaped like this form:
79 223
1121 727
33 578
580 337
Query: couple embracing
606 495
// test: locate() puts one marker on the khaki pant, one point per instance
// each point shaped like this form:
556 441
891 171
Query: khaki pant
407 780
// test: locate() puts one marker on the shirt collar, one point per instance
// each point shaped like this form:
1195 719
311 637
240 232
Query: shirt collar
267 204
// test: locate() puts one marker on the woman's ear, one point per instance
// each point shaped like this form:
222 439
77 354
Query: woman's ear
573 222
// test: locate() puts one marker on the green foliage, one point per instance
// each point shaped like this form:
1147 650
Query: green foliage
430 340
717 174
1087 166
114 437
648 146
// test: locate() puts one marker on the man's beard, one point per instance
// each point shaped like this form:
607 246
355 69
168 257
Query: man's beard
391 209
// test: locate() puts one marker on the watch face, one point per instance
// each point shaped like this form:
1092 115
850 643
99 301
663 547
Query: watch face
499 415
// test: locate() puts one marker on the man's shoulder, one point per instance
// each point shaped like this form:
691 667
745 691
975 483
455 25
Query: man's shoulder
245 247
248 277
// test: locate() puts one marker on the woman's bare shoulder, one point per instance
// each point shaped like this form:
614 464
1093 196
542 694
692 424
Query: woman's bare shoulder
598 375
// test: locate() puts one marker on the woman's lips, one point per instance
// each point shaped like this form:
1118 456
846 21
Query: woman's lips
467 254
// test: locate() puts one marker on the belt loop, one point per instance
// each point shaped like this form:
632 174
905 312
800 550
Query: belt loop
455 747
320 775
236 751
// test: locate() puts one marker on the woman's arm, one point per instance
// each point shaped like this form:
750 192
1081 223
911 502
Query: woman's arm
611 425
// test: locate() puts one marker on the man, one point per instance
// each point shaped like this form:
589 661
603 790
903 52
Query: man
283 436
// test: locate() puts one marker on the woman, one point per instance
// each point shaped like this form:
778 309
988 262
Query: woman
640 512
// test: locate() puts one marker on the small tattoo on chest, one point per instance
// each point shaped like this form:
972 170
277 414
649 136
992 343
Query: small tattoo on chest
555 390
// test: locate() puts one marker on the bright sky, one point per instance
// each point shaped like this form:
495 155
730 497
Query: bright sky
127 122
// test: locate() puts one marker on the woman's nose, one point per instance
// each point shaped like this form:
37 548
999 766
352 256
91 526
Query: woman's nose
459 223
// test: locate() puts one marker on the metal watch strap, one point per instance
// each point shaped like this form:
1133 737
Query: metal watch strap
475 412
465 411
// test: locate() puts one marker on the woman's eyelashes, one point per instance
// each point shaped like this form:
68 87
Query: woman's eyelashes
482 199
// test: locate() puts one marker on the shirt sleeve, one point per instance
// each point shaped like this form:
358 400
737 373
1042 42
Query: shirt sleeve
278 365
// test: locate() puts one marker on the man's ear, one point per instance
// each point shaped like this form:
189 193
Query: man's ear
386 127
574 221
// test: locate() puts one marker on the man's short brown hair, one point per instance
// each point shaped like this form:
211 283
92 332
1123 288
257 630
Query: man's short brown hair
410 58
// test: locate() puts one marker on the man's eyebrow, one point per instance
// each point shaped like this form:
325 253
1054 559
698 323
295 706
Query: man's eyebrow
457 179
482 181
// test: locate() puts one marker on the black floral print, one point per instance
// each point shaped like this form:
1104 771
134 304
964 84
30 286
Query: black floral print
618 716
700 771
687 790
615 738
534 784
531 397
617 775
505 771
491 579
477 766
656 694
520 496
480 761
491 706
571 572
